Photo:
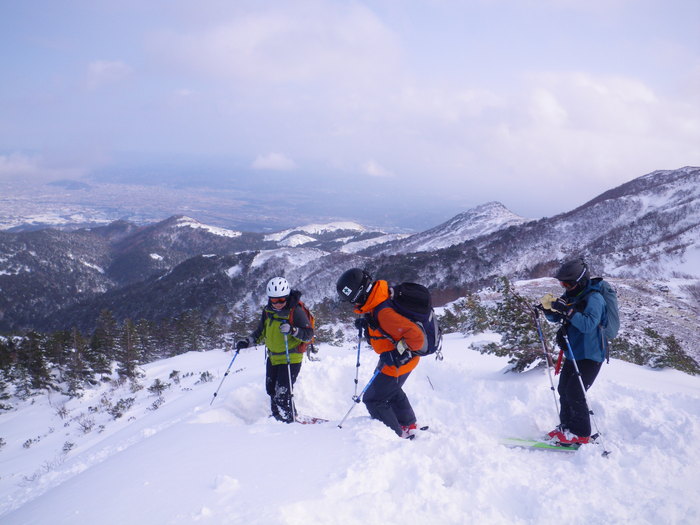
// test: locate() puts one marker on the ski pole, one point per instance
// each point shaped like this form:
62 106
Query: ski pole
356 399
357 366
547 358
583 389
289 372
225 374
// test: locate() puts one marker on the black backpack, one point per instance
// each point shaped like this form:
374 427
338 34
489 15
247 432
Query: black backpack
413 301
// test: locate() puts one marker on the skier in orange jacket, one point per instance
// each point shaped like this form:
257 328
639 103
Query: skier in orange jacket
393 337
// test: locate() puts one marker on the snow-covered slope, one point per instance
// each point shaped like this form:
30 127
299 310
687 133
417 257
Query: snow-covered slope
647 227
188 222
481 220
287 258
182 460
358 246
316 229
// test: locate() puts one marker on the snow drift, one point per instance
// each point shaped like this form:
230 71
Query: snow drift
179 460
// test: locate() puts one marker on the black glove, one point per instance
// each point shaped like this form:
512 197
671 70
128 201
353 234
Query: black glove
401 358
561 341
362 325
387 358
561 307
243 343
394 358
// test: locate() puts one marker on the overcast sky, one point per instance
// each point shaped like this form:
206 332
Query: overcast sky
539 104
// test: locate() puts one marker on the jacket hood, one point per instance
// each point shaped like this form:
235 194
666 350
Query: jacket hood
378 294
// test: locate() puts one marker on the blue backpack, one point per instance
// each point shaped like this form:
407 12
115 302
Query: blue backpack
413 301
610 324
611 318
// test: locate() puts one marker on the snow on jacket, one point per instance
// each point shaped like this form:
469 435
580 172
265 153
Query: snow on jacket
583 329
395 325
268 330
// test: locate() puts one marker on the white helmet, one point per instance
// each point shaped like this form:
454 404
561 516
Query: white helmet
278 287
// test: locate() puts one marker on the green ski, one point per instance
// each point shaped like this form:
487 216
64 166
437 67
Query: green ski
537 444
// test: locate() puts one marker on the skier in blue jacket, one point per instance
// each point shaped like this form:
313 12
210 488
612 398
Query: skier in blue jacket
581 312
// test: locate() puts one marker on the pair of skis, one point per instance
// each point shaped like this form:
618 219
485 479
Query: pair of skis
543 444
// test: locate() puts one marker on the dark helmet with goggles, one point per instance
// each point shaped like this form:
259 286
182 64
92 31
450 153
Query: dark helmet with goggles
354 286
573 273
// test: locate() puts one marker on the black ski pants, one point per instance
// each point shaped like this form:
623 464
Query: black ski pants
387 402
574 413
279 390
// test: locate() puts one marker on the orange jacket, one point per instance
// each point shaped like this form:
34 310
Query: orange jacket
394 324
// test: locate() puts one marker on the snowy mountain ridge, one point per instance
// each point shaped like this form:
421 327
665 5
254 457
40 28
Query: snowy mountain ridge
481 220
41 265
189 222
316 229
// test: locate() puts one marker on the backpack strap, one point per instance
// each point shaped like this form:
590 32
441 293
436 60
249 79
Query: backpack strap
374 323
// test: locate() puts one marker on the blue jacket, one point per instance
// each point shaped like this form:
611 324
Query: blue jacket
583 328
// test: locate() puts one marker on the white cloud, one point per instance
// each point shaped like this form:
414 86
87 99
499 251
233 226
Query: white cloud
351 82
547 109
274 162
104 72
18 166
375 169
589 132
318 43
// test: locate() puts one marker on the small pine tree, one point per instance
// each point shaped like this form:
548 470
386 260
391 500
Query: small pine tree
146 341
165 338
58 351
104 344
128 358
213 335
5 367
513 319
193 328
466 316
158 387
78 373
674 357
4 394
627 350
654 350
244 320
323 334
32 367
339 338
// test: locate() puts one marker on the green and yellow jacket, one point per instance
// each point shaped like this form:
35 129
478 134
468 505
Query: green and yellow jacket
268 331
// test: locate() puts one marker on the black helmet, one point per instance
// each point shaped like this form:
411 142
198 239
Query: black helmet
354 286
573 272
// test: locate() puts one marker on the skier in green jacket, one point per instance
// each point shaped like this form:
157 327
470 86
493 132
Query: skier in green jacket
284 327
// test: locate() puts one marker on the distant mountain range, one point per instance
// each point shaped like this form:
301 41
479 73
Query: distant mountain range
648 228
43 272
